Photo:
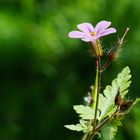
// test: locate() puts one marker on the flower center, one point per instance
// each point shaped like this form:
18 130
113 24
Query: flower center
92 33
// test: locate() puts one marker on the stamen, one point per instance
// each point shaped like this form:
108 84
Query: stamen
92 33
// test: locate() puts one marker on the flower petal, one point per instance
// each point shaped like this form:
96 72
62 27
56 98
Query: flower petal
76 34
87 39
108 31
101 26
85 27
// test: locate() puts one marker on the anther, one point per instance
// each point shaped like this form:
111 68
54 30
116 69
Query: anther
92 33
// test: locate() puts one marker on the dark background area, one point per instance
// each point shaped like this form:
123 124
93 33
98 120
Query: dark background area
43 73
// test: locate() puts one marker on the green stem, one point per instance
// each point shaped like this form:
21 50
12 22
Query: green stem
106 120
95 100
95 89
85 137
95 95
88 136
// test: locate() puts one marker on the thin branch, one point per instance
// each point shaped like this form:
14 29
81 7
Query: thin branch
114 51
107 119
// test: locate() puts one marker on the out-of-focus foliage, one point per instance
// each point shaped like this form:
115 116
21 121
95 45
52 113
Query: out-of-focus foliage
43 73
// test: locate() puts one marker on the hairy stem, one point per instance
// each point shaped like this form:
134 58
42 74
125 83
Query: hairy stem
95 99
114 51
97 90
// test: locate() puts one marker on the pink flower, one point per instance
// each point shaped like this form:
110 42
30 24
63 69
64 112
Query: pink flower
90 34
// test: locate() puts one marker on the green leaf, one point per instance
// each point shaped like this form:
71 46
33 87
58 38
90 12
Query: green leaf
110 130
123 81
106 101
83 126
85 112
76 127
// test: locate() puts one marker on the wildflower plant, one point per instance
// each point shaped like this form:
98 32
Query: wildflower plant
104 109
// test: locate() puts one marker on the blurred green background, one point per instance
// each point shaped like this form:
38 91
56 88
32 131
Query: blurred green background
43 72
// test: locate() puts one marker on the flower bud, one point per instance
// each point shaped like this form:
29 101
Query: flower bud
113 54
123 104
118 99
126 105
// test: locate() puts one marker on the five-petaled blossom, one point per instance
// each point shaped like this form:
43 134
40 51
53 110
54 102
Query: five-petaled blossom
90 34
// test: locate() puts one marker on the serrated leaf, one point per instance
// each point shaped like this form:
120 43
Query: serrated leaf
109 131
83 126
106 100
73 127
113 130
116 122
85 112
123 81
